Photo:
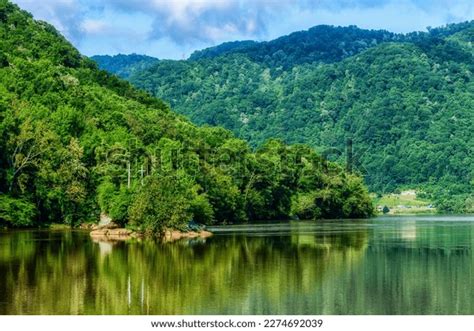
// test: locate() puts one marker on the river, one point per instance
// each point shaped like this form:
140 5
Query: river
386 265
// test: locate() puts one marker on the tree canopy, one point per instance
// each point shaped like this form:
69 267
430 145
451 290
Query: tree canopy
124 65
405 100
76 141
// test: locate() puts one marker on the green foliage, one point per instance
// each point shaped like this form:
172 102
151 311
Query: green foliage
343 197
124 65
405 100
76 142
224 48
303 206
3 61
202 210
114 202
322 43
165 202
16 212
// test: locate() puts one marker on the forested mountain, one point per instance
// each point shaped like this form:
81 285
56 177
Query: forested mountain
224 48
124 65
76 141
406 101
322 43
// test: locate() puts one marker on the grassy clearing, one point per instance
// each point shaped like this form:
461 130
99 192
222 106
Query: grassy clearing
405 202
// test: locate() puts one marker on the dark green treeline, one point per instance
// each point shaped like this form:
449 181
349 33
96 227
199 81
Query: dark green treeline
76 141
407 100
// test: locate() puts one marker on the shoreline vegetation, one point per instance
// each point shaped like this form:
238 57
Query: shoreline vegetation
406 100
111 232
78 142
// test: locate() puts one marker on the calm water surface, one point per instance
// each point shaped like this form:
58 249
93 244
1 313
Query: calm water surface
402 265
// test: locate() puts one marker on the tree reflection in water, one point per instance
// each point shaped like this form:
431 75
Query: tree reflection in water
301 268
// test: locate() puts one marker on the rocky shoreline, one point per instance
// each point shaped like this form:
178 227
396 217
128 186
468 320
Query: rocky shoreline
112 232
118 234
174 235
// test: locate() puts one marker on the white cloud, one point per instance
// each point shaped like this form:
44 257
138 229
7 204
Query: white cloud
65 15
92 26
188 22
178 26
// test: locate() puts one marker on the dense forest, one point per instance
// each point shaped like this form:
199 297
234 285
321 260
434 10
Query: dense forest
405 100
76 141
124 65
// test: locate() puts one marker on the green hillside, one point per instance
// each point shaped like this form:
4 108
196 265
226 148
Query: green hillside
406 101
76 141
124 65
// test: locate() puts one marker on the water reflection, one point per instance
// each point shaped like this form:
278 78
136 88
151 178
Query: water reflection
391 266
408 230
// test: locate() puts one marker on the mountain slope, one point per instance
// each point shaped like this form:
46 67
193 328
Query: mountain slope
124 65
322 43
76 142
406 101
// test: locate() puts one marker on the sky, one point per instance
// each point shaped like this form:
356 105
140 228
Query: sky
173 29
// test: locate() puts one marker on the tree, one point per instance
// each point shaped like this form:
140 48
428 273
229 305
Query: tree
72 179
77 141
16 212
167 201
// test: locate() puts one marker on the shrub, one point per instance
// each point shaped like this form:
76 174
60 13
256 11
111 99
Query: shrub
16 212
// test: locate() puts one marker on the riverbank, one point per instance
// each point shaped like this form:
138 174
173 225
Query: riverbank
122 234
404 203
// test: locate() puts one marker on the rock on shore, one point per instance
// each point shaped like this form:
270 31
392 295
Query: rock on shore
114 234
173 235
111 232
